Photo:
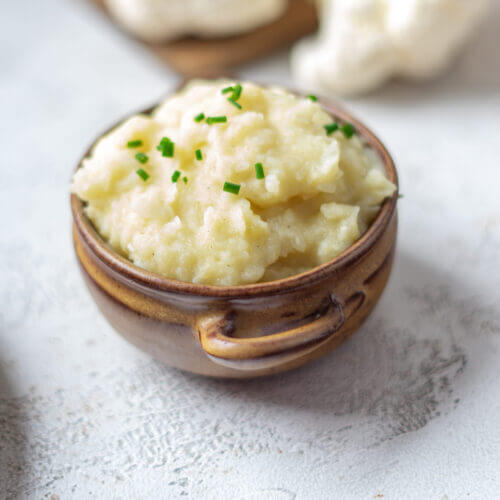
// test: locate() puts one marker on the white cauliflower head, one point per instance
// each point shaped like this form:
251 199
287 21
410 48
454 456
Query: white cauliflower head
362 43
161 20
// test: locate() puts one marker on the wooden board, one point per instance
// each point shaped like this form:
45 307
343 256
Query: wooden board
193 56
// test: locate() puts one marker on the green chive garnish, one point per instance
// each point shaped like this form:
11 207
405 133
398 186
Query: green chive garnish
198 154
348 129
236 92
259 171
331 128
229 187
162 143
134 144
175 176
142 174
168 150
313 98
234 103
216 119
198 118
185 179
166 147
141 158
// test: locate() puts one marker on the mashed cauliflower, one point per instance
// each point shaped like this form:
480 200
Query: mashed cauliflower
318 195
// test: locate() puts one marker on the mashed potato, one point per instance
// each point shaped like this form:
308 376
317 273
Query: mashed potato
318 195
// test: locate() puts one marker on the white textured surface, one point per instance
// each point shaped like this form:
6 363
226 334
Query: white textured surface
408 408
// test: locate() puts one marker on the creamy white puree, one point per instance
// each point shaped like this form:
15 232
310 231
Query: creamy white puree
319 195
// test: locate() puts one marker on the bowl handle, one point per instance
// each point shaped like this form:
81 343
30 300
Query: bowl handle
267 351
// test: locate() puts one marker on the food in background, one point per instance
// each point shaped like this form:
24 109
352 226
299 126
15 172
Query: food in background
362 43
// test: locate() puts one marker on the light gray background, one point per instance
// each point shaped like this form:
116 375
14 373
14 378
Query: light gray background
408 408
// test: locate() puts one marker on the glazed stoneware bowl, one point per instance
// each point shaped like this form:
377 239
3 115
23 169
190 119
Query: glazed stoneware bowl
250 330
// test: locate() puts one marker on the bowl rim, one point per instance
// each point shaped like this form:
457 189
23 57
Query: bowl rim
349 256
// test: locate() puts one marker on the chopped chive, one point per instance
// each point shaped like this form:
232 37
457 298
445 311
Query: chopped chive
236 92
229 187
175 176
141 158
168 150
259 171
198 154
199 117
162 142
216 119
134 144
227 89
166 147
313 98
331 127
185 179
142 174
234 103
348 129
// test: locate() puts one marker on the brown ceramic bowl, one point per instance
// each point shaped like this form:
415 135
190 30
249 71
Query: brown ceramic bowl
250 330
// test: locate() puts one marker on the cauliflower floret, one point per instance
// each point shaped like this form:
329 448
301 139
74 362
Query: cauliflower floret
362 43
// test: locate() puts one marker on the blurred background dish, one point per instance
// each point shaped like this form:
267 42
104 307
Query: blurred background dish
207 47
163 20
